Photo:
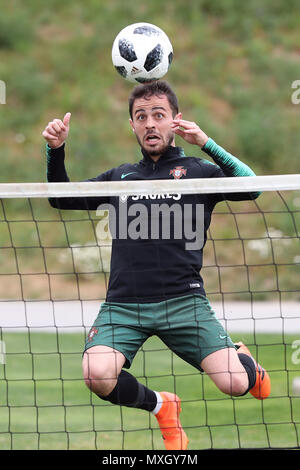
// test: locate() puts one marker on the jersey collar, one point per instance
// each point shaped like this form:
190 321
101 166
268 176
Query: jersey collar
170 153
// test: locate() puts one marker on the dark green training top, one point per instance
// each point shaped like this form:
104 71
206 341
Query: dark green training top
158 240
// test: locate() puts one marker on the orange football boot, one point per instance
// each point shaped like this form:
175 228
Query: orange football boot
168 419
262 386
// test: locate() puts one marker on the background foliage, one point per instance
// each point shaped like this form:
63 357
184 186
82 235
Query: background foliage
234 64
233 67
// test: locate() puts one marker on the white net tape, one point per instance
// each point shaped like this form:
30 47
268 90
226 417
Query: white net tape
53 277
187 186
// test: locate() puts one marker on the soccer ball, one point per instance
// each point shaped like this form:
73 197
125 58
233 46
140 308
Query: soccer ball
142 52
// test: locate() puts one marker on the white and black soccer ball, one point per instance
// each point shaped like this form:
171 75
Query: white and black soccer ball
142 53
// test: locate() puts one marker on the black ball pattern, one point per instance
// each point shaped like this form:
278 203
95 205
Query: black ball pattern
153 58
126 49
147 30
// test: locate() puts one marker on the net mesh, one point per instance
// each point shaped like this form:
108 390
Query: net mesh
54 274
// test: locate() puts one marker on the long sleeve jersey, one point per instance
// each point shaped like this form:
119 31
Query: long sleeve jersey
156 259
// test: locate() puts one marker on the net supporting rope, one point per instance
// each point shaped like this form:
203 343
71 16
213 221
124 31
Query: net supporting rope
188 186
54 274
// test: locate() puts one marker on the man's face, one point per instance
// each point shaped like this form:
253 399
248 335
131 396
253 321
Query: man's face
151 121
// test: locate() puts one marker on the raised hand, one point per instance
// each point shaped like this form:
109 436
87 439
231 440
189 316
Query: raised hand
190 132
57 131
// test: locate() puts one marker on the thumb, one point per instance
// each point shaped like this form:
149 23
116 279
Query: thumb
66 119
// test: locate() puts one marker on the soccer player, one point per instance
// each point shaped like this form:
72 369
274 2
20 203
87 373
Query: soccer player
155 284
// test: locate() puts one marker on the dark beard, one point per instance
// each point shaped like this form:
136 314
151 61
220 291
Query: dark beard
159 151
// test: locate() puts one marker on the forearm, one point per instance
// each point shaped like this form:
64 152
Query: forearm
230 165
56 171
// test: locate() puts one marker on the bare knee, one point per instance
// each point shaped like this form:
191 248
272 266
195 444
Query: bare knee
98 377
234 384
101 367
226 371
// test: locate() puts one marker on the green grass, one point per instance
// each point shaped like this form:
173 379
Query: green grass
44 403
36 241
234 63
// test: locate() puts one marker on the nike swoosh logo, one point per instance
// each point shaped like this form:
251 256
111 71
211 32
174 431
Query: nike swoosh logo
126 174
222 337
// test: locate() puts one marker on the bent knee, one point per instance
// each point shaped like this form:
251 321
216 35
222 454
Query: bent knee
100 374
236 384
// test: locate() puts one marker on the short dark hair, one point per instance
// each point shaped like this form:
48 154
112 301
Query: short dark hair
157 88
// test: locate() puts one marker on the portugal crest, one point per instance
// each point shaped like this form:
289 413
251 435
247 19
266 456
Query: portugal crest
178 172
92 333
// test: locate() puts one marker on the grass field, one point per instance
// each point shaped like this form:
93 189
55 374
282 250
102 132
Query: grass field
234 64
233 69
44 403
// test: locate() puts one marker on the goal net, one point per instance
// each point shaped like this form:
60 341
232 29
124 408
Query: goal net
54 272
